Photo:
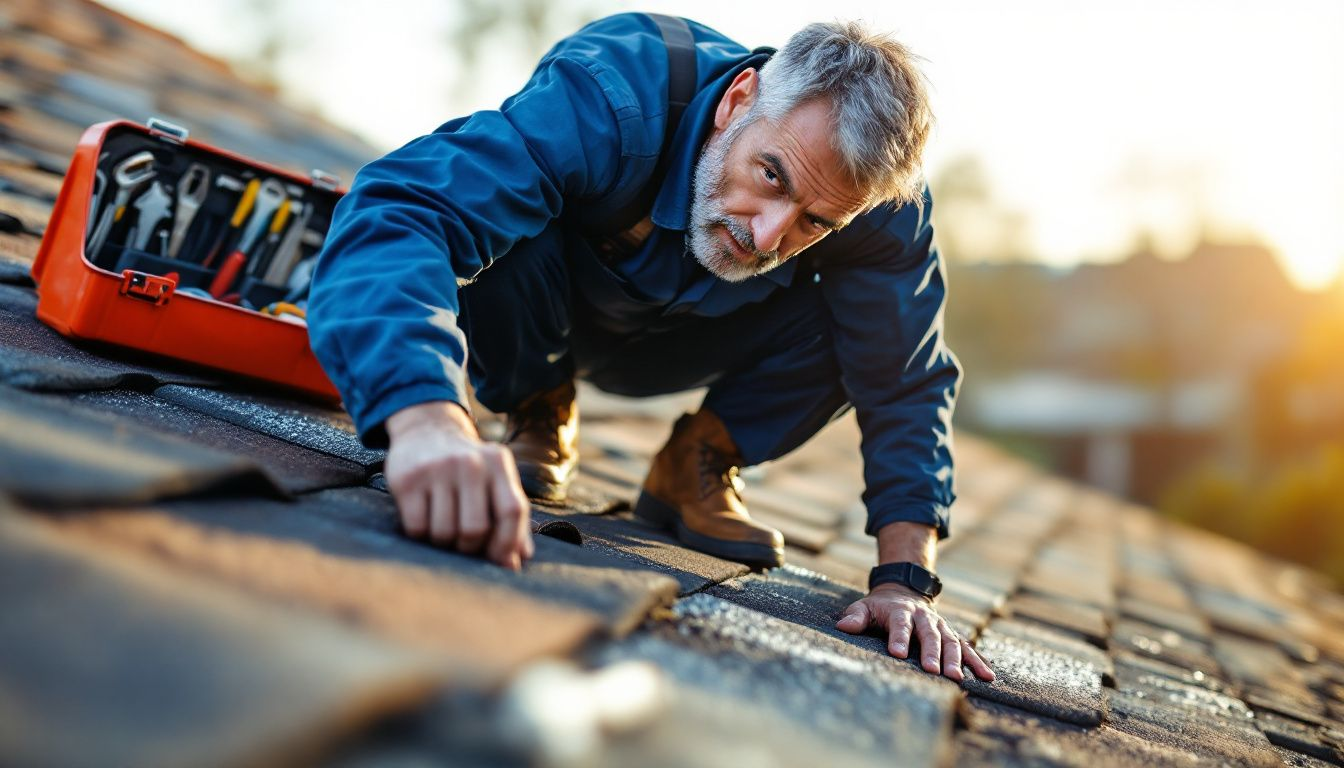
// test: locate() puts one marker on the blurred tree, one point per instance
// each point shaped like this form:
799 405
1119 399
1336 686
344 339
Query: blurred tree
526 28
1212 498
271 37
972 224
1295 512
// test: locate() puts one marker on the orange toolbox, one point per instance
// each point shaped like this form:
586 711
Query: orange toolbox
174 247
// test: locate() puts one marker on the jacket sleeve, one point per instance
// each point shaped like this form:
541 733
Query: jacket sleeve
886 303
429 216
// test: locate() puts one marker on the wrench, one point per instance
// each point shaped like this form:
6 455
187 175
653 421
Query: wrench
287 252
128 175
270 196
269 199
154 206
191 192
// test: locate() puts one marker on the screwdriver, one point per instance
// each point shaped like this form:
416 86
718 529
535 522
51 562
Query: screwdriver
239 216
265 252
270 198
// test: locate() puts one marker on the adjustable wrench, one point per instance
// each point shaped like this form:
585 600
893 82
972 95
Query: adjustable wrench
154 206
128 175
191 192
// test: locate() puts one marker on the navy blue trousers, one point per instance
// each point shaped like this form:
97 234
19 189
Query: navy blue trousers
769 366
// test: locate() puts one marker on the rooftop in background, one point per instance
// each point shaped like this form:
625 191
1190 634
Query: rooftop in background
193 569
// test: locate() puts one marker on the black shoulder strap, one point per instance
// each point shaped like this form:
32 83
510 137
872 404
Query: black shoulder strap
681 77
681 74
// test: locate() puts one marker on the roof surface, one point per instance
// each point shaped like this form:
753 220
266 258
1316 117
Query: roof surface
194 570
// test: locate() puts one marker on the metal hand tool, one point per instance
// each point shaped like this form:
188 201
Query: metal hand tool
268 200
191 192
240 213
287 252
266 250
154 206
128 175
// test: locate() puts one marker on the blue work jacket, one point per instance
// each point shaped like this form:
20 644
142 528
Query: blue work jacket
585 134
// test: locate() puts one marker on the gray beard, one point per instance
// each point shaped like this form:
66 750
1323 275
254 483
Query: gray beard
708 214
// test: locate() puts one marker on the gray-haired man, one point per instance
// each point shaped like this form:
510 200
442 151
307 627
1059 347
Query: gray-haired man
635 216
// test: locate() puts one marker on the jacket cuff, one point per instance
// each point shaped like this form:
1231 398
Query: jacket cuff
926 512
371 422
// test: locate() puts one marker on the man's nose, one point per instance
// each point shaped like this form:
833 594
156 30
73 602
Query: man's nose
770 225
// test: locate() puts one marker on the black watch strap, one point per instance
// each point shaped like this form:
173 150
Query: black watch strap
922 580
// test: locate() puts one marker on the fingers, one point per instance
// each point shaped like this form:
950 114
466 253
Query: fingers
976 663
512 539
951 653
856 619
472 511
930 641
458 492
900 624
905 618
414 507
442 514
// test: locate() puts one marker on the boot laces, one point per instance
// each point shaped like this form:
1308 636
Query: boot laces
718 472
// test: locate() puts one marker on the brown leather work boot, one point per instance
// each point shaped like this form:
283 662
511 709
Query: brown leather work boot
693 488
543 435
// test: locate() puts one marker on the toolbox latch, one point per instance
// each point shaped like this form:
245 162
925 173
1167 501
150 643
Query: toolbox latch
156 289
166 130
323 180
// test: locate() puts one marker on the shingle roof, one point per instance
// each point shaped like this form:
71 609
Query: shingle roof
195 570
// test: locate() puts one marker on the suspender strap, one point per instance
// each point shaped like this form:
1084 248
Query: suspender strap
680 71
681 77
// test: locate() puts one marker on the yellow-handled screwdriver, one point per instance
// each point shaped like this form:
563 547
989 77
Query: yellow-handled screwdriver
240 213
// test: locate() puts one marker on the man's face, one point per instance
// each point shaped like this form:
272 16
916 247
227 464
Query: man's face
765 191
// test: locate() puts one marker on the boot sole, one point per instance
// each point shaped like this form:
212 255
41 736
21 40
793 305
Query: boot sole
664 516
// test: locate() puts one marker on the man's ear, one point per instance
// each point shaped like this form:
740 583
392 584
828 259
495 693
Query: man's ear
737 99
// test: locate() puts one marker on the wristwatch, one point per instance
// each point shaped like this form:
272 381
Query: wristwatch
922 580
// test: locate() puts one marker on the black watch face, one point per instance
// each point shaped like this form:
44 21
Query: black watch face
924 582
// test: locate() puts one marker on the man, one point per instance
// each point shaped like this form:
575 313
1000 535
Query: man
505 241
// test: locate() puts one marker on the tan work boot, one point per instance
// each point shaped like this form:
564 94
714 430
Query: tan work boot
543 435
693 488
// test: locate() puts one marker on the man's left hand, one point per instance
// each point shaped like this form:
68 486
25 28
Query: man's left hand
903 614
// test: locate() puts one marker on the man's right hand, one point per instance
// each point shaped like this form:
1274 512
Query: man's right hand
453 489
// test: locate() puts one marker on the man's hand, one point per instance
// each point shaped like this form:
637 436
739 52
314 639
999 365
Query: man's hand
901 613
453 489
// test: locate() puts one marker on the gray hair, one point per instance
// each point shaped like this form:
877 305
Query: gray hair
879 106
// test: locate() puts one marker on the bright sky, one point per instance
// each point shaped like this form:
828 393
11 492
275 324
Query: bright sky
1095 121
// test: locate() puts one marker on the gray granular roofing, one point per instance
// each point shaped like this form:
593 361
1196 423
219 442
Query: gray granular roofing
196 571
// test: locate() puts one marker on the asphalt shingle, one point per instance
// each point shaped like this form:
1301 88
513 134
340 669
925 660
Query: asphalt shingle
106 661
1166 723
55 452
459 606
639 545
1039 680
311 426
865 706
296 469
998 735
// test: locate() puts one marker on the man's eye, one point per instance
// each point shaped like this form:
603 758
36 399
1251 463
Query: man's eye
770 175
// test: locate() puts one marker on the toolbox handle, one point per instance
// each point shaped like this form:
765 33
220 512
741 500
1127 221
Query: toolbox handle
324 180
166 130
